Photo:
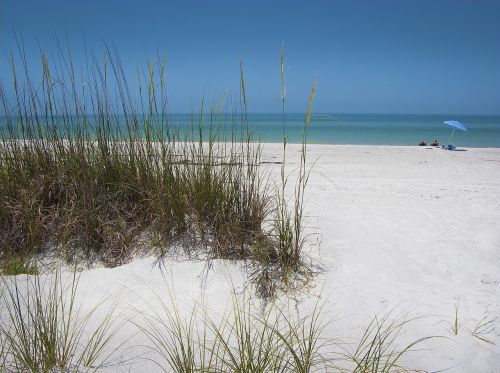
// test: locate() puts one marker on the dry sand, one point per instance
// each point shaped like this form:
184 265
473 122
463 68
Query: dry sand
409 229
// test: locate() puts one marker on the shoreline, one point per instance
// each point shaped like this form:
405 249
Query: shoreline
309 144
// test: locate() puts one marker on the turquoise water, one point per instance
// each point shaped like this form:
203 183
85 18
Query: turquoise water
373 129
378 129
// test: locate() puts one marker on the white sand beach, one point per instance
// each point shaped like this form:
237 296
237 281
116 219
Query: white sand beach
415 230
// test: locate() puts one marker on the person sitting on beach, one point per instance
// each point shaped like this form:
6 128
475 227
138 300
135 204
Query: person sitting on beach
435 143
422 143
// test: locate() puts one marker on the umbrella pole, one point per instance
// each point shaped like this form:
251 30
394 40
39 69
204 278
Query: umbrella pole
452 132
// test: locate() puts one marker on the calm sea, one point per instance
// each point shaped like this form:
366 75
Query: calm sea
373 129
381 129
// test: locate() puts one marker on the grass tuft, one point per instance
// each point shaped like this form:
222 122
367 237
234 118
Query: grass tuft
483 328
378 351
288 227
239 341
44 328
18 266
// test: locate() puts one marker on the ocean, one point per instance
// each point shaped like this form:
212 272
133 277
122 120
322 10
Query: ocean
372 129
369 129
380 129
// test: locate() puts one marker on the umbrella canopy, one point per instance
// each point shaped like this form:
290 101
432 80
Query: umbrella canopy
456 124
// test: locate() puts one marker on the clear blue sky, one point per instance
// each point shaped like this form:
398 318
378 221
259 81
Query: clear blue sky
401 56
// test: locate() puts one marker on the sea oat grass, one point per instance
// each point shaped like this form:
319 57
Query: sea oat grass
380 349
44 328
89 174
289 235
239 340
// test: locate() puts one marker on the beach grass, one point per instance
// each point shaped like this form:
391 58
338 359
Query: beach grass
379 349
483 328
93 171
44 328
250 337
92 175
289 217
239 340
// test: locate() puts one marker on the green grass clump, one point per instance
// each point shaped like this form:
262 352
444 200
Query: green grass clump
43 328
18 266
91 172
275 340
378 350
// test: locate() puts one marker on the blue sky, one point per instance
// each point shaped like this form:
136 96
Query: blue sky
402 56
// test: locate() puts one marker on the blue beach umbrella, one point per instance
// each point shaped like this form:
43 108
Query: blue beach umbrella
456 125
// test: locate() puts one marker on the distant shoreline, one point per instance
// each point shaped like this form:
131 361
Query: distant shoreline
325 128
386 145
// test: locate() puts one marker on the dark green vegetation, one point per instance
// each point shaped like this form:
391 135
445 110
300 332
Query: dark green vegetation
91 170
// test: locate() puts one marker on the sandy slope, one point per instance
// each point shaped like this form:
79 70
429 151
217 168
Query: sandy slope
407 228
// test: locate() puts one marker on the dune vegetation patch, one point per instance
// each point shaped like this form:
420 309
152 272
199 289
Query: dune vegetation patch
93 171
